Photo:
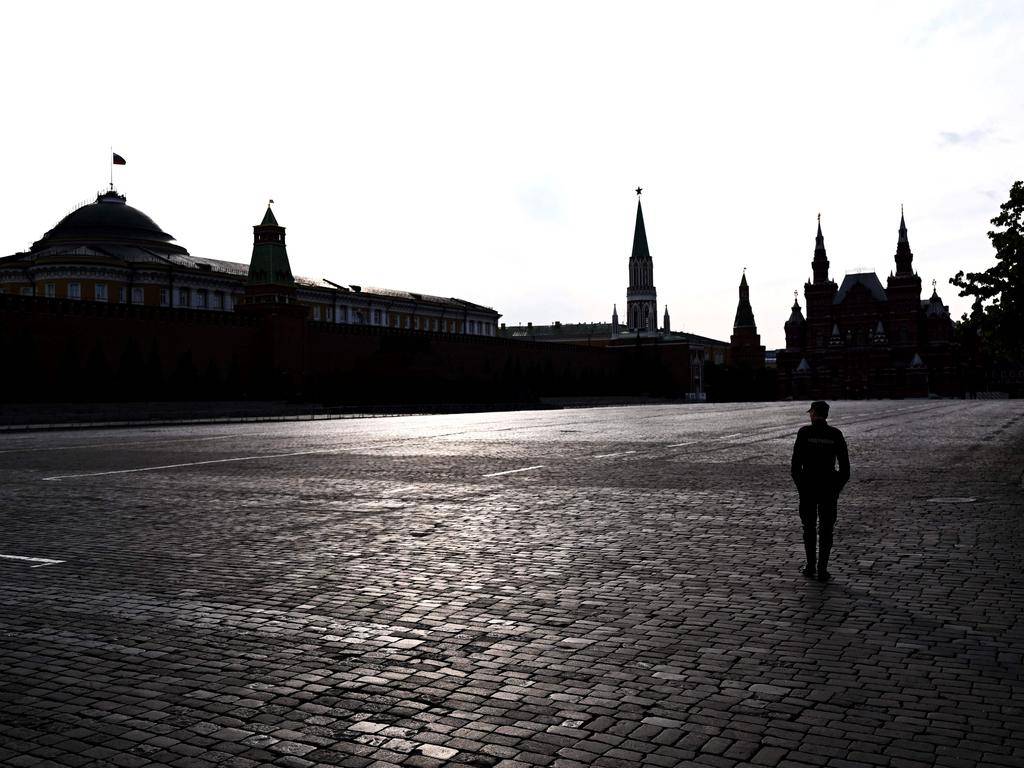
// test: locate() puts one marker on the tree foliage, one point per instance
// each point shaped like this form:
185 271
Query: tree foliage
997 313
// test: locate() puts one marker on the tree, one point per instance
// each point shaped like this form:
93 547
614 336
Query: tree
997 314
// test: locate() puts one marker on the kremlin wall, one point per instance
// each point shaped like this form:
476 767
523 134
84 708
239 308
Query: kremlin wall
107 307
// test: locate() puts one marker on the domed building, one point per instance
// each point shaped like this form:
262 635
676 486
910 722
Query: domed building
108 251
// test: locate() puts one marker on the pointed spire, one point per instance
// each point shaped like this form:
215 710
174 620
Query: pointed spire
796 315
667 322
640 249
744 312
904 257
819 265
268 218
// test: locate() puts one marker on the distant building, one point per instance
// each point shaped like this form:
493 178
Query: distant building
861 339
108 251
745 349
641 330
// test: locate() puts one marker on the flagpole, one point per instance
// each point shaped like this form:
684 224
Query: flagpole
110 157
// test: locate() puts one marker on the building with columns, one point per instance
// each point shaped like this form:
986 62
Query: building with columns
860 339
107 251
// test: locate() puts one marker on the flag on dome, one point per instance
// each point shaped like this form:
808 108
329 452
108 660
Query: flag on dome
118 160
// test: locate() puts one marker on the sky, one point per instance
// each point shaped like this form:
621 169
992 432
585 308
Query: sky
490 151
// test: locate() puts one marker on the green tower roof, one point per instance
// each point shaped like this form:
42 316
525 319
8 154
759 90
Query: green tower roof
269 264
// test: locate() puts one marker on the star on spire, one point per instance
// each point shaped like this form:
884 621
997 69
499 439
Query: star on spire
639 190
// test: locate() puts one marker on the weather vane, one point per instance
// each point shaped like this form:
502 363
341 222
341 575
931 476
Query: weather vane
639 190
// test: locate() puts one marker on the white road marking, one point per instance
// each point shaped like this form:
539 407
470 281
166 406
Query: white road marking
119 445
196 463
610 455
41 560
513 471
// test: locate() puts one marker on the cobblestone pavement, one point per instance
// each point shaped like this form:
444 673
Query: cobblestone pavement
608 587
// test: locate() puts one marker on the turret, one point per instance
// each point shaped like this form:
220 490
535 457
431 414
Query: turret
270 278
904 256
744 312
795 326
269 263
819 265
745 344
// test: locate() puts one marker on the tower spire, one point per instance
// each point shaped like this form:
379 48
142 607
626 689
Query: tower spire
819 265
640 249
641 295
744 312
269 264
904 256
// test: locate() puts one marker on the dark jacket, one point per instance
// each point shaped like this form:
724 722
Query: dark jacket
817 449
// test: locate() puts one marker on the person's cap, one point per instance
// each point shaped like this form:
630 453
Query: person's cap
819 407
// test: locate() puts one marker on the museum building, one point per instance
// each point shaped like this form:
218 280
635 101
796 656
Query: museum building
108 251
863 339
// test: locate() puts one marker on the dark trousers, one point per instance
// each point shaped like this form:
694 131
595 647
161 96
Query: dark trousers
818 509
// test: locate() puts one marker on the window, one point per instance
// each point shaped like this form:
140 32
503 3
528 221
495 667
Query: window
74 290
217 300
101 292
407 322
51 290
330 314
416 323
183 298
165 297
199 298
435 323
316 311
377 318
27 290
138 297
122 295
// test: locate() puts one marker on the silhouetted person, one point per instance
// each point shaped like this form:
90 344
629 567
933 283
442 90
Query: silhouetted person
817 450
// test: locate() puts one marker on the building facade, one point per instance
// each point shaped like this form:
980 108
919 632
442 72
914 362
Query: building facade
860 339
108 251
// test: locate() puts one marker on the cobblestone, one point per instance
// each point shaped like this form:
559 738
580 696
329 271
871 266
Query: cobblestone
378 593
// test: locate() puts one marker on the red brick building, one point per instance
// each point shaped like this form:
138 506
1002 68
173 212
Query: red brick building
861 339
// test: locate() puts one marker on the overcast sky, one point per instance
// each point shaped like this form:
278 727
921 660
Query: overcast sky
490 150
